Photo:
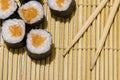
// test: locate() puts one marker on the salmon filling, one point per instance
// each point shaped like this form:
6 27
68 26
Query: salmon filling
4 4
37 40
60 2
29 13
15 30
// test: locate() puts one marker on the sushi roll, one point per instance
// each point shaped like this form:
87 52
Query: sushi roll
38 44
62 8
7 8
31 12
13 32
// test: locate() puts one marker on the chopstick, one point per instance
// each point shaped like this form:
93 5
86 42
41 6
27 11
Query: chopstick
86 25
105 32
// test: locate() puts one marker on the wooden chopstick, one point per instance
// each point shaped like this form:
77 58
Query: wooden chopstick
86 25
105 32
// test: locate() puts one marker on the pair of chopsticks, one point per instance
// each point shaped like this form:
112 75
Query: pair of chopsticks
105 32
86 25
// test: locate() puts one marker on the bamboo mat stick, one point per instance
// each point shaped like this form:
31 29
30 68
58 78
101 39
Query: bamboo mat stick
84 54
93 36
33 69
1 54
46 69
24 64
86 25
88 44
75 50
46 61
75 58
106 30
19 73
101 59
80 17
37 70
49 63
118 29
118 63
96 33
107 9
15 60
42 69
111 40
48 58
84 60
65 45
70 68
115 67
110 63
51 23
29 62
10 64
106 64
1 59
93 40
37 76
56 63
62 31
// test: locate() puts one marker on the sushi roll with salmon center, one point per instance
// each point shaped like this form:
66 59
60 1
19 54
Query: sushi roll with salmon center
38 43
62 8
31 12
13 32
7 8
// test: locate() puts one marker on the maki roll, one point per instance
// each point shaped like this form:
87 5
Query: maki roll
62 8
38 43
31 12
7 8
13 32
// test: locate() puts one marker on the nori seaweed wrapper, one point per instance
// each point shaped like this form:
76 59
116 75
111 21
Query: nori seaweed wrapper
17 45
39 56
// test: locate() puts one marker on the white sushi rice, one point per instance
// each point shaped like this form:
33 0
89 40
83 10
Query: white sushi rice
37 6
5 14
44 47
7 36
53 5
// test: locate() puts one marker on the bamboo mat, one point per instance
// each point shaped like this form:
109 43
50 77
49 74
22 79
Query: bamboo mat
17 65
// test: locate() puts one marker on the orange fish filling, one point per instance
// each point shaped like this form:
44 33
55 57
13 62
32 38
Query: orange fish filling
29 13
15 30
4 4
37 40
60 2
